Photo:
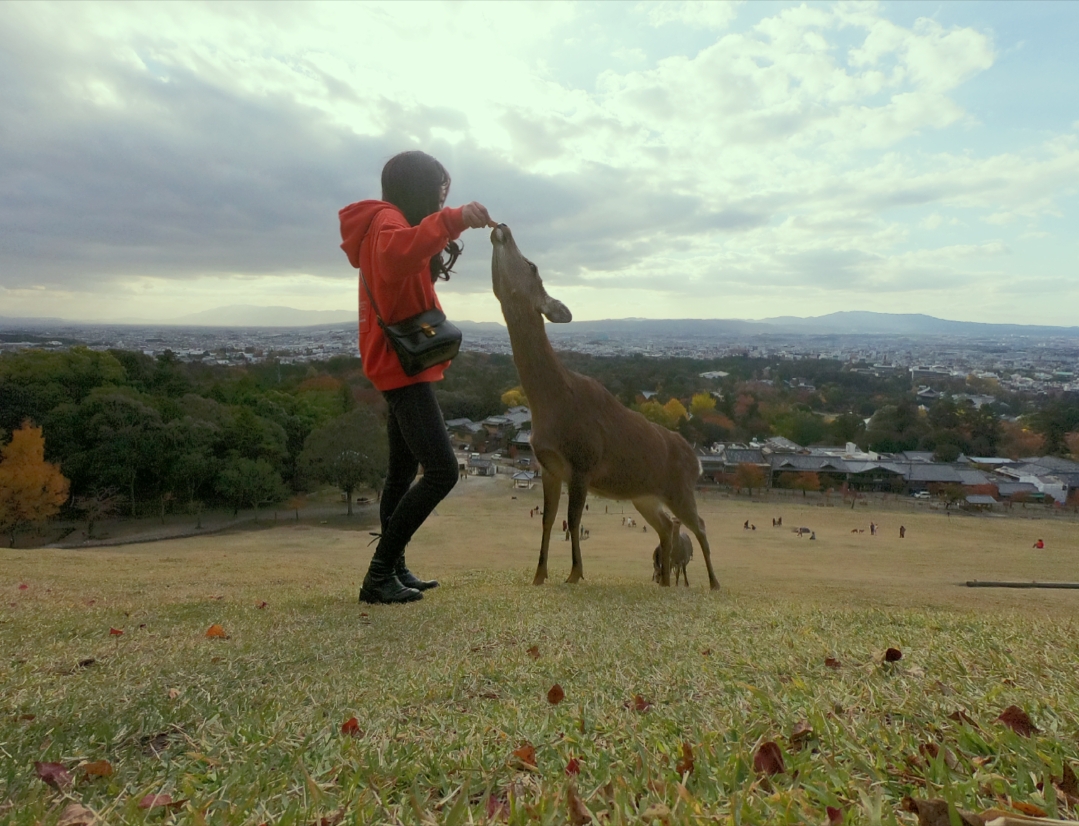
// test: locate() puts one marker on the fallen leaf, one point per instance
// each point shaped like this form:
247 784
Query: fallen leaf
330 820
1018 721
578 812
835 816
533 652
555 695
831 662
707 652
638 703
1029 809
961 716
54 774
893 655
99 768
154 744
216 632
89 661
525 756
263 604
23 586
685 765
155 801
28 717
351 726
75 814
935 813
498 808
573 767
1068 782
115 632
174 693
768 759
657 811
800 733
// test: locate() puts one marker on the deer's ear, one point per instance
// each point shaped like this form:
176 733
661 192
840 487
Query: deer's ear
555 310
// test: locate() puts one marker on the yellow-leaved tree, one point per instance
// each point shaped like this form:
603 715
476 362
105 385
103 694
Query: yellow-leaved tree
515 397
702 403
31 489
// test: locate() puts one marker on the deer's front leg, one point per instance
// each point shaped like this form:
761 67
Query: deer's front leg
578 493
552 492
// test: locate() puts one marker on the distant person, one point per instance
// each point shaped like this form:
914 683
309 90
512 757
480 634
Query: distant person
872 528
812 534
565 525
402 245
902 531
745 527
1039 544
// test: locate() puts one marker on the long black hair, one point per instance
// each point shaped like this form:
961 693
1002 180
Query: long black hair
417 184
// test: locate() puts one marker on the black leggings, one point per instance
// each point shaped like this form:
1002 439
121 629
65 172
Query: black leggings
417 436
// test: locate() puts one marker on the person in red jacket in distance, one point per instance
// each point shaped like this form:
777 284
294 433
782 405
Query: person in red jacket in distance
402 245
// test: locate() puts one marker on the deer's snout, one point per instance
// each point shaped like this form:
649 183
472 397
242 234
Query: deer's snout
500 234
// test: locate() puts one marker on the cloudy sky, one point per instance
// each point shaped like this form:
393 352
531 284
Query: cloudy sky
665 160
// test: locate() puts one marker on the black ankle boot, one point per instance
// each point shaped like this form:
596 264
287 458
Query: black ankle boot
410 580
381 586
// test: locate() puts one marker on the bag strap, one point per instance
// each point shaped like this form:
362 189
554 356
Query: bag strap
374 304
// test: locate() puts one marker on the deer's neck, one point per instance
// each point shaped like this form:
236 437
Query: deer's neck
542 375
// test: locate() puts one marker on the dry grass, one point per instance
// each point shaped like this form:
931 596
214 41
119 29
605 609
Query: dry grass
444 690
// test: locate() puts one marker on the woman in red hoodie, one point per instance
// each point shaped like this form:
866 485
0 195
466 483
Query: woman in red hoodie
398 245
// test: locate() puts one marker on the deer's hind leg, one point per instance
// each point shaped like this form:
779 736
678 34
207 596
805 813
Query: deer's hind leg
552 492
684 507
652 510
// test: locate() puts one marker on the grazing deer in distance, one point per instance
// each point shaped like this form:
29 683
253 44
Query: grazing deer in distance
581 434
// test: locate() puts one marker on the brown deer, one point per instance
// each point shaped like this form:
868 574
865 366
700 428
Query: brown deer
581 434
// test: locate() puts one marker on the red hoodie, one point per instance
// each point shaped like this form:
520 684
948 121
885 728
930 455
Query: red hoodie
395 261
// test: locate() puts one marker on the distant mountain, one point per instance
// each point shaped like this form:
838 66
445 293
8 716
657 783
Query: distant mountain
249 315
907 324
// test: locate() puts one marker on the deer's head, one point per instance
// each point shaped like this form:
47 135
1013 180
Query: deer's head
517 280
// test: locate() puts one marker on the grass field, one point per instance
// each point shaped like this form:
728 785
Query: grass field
248 729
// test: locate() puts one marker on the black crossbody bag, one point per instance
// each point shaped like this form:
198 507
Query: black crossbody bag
421 341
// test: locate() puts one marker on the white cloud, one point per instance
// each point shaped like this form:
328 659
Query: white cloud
699 14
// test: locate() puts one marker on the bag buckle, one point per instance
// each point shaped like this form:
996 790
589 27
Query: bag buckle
428 330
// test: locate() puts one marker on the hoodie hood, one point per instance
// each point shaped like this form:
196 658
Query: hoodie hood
356 220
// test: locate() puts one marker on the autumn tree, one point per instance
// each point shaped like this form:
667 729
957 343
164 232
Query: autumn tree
31 489
806 480
515 397
702 403
748 476
348 451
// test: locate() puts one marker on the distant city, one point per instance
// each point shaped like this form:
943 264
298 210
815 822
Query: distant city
1027 359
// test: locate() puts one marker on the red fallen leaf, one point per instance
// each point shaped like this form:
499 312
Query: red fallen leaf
115 632
533 652
351 726
831 662
364 614
99 768
573 767
498 808
835 816
893 655
768 759
685 765
707 652
23 586
638 703
556 695
330 819
54 774
154 801
578 812
29 717
1029 809
526 755
1018 721
142 625
263 604
216 632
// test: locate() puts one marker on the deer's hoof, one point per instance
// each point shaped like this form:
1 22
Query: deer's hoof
539 579
714 586
574 578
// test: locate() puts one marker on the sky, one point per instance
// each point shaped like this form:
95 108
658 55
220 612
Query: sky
656 160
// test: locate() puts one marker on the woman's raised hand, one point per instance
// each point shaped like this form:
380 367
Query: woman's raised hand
475 216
